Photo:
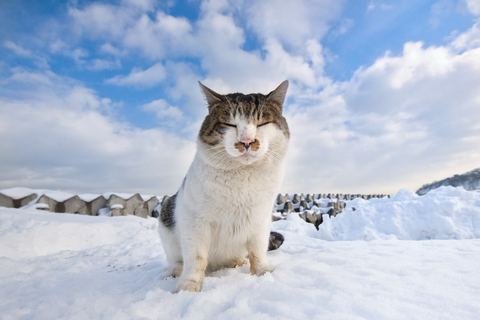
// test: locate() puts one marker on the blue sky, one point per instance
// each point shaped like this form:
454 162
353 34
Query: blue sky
103 96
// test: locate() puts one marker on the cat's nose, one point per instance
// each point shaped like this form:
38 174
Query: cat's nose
246 142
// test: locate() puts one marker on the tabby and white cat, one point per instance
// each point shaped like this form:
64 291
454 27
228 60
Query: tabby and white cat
222 212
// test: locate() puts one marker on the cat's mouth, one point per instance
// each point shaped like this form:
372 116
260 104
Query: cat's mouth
247 157
248 154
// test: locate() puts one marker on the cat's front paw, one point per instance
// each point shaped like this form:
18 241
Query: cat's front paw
188 285
261 271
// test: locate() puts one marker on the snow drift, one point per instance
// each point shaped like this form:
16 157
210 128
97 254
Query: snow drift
66 266
445 213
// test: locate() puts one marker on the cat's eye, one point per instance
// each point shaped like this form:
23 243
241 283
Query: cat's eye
230 125
263 124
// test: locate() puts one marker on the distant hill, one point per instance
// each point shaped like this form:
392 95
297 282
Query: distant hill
469 181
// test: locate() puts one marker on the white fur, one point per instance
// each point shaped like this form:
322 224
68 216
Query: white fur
223 210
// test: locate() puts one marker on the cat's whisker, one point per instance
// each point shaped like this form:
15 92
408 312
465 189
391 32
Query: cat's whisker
216 158
273 155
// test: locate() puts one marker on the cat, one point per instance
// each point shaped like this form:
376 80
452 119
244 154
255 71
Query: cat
222 212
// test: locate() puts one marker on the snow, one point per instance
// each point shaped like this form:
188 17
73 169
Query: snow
60 196
124 196
17 193
147 197
40 206
89 197
444 213
371 263
105 212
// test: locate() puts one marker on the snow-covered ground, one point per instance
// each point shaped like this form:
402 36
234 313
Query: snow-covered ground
407 257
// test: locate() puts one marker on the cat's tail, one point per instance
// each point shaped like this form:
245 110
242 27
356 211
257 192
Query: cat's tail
275 241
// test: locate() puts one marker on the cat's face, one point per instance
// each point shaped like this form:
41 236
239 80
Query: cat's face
244 129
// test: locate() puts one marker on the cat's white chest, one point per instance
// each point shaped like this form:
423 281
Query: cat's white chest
248 187
232 205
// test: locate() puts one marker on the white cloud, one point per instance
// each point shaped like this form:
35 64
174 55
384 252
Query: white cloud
377 4
21 75
62 48
440 10
164 111
415 64
18 49
217 42
157 38
292 22
473 6
404 121
141 78
101 64
146 5
103 20
131 27
295 68
182 87
165 36
230 68
371 6
39 61
344 26
110 49
468 40
78 54
61 136
58 46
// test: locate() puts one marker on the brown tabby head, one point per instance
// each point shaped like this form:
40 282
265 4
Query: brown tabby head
244 128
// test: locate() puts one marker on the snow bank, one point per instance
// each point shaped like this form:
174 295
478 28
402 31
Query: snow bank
66 266
443 213
30 233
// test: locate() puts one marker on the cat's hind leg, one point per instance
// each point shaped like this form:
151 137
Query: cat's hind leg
236 262
168 231
173 251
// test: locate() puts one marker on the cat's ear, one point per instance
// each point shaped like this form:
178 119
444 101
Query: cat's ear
277 96
211 96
